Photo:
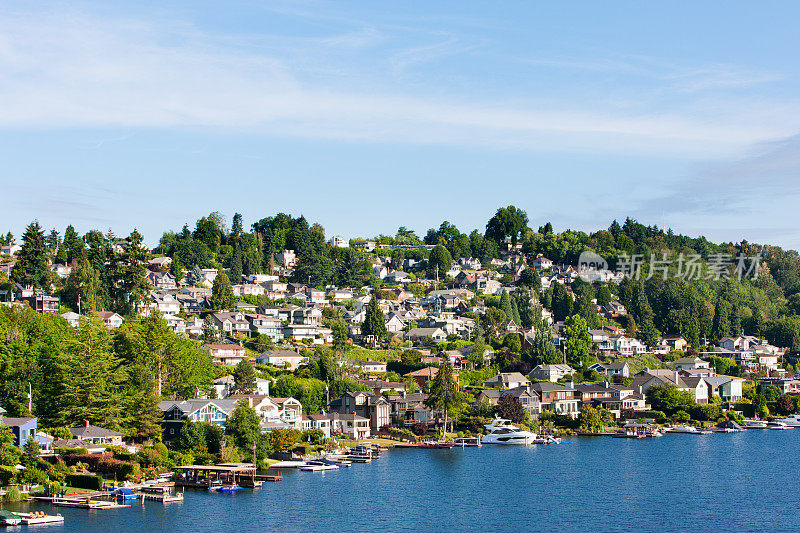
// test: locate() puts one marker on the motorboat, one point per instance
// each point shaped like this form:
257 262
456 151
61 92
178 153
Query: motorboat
217 486
502 431
791 420
318 465
123 495
7 518
755 424
777 424
687 430
468 441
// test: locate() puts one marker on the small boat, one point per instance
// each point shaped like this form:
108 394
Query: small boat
7 518
39 517
222 487
777 424
791 420
755 424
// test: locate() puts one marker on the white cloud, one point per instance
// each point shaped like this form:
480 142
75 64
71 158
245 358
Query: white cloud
64 70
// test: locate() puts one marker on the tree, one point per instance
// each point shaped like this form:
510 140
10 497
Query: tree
505 305
398 256
577 341
439 262
74 246
721 326
562 303
244 428
244 378
630 328
785 405
603 295
648 334
32 267
339 332
143 420
236 265
530 278
591 419
222 292
374 323
543 351
507 222
444 394
510 408
30 453
668 399
132 267
512 342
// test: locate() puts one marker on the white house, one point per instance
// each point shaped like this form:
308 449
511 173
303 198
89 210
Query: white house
281 359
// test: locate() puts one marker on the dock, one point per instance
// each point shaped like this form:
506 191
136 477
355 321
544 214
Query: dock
84 502
199 476
31 519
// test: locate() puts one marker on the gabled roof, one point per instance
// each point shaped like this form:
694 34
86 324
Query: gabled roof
89 431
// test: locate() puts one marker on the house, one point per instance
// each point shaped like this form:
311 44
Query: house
232 322
409 408
647 378
550 372
164 281
73 319
175 323
337 241
176 413
422 375
690 363
436 335
366 245
269 325
367 404
350 424
589 393
379 386
287 258
226 354
529 400
371 367
281 359
23 428
612 369
541 263
394 324
110 319
280 413
96 434
224 385
675 343
506 380
785 385
556 398
725 387
321 422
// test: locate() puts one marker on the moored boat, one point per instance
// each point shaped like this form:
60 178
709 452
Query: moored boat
502 431
792 420
777 424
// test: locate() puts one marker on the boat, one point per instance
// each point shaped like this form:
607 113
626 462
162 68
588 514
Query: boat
777 424
755 424
318 465
688 430
123 495
468 441
791 420
217 486
39 517
502 431
7 518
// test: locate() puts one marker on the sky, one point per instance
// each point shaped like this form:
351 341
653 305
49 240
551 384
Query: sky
367 116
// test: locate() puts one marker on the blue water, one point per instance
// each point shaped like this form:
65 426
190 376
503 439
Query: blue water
737 482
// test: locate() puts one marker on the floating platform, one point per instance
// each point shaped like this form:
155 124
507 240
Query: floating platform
80 503
30 519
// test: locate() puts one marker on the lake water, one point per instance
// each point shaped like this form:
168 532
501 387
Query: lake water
737 482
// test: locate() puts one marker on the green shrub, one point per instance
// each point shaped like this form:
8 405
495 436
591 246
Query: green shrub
85 481
59 471
7 475
12 495
34 476
64 452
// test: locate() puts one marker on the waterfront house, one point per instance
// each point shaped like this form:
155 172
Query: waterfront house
647 378
725 387
556 398
96 435
318 421
23 428
529 400
226 354
177 412
350 424
410 408
291 411
367 404
550 372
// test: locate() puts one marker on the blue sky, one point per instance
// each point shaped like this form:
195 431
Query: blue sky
366 116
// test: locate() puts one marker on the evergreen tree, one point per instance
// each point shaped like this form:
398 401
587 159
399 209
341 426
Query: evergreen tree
543 351
236 226
505 305
73 244
515 313
374 323
221 292
132 267
244 378
143 414
721 325
32 267
53 241
562 303
577 341
439 262
236 266
82 286
630 329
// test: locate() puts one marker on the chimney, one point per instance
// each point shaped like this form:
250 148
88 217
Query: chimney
86 423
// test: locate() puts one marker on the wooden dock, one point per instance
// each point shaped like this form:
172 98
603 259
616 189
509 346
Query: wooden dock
81 503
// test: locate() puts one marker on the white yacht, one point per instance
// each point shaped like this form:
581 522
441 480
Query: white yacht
755 424
689 430
502 431
791 420
777 424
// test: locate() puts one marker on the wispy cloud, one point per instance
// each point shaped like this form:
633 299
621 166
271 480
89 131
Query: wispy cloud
73 69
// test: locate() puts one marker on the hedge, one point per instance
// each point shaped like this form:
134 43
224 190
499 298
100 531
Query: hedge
85 481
